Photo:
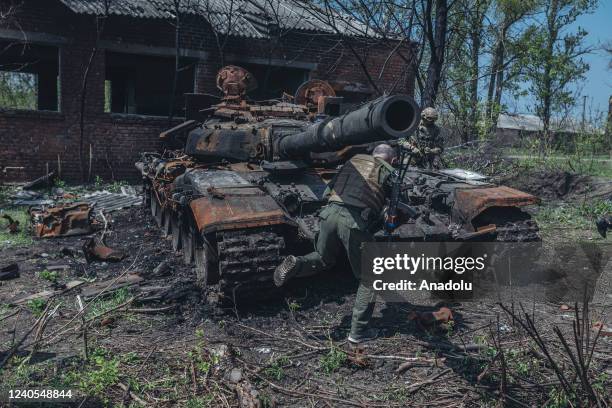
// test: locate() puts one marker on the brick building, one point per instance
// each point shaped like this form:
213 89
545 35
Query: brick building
47 44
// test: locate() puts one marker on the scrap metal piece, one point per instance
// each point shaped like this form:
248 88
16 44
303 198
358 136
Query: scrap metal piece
311 92
40 182
472 201
10 271
235 82
13 225
62 221
109 202
100 252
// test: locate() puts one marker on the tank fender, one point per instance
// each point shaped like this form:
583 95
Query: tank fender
237 208
470 202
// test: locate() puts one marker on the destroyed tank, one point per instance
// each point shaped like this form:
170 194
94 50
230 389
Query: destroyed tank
247 186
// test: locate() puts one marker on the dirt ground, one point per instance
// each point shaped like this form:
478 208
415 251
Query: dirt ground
152 340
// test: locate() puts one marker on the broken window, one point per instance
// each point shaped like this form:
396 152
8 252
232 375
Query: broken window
143 85
272 81
29 76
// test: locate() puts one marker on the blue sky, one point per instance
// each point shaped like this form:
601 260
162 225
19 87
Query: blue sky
597 85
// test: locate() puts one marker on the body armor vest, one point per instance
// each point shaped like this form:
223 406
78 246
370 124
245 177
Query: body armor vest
358 183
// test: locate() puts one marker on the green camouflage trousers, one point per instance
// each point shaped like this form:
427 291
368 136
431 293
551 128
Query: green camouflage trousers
342 228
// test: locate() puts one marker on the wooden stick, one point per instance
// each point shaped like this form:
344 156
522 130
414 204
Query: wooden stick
132 395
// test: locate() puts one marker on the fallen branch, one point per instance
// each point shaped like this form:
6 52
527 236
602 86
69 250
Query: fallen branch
152 310
433 379
16 346
80 312
132 395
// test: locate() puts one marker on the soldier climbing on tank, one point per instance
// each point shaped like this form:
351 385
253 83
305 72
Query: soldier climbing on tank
427 144
357 197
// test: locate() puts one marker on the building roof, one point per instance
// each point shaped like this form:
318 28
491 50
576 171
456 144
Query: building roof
519 122
242 18
533 123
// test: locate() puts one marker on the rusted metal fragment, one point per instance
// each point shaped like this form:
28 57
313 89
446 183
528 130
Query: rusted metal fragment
237 211
13 225
100 252
235 82
425 319
470 202
62 221
311 93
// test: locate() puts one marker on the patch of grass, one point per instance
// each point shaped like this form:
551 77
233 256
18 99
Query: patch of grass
103 305
579 215
578 162
294 306
36 306
396 394
333 360
200 402
115 186
275 369
202 359
21 238
51 276
98 182
559 399
20 373
102 373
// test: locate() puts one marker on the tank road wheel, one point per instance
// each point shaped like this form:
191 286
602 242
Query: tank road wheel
166 215
159 214
188 239
203 264
146 197
175 230
154 204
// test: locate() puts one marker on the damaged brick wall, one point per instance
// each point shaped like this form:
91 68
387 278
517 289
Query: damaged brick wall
35 139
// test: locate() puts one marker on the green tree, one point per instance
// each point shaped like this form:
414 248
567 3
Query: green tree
508 39
554 54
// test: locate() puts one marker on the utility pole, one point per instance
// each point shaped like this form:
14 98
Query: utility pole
584 98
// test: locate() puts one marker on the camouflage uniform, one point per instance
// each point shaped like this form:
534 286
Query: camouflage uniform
356 200
427 143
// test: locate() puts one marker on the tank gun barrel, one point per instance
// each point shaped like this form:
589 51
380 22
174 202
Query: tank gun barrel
388 117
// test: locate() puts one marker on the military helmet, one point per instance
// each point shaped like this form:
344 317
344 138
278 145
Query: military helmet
430 114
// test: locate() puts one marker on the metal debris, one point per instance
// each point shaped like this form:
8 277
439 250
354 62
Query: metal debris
29 198
44 181
440 316
62 221
13 225
10 271
100 252
108 202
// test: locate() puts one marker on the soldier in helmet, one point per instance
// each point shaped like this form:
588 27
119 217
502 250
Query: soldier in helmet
427 144
357 197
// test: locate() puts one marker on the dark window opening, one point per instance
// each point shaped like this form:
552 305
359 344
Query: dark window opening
29 76
143 84
272 81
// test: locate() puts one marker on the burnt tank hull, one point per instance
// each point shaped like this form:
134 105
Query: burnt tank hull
248 185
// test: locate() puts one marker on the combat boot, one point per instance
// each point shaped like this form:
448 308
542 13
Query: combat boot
286 270
366 335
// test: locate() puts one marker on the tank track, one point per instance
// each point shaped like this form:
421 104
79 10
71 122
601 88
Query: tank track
247 259
518 231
